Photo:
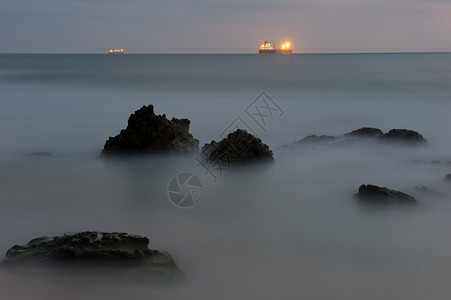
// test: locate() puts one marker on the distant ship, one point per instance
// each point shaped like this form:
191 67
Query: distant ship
269 47
115 51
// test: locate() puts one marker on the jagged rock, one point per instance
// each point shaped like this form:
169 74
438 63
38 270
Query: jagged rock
238 148
382 195
365 132
91 249
405 136
149 133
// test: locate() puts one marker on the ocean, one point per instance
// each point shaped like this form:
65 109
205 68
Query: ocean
289 230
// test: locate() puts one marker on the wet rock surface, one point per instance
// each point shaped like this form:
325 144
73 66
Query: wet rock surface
90 249
238 148
150 133
381 195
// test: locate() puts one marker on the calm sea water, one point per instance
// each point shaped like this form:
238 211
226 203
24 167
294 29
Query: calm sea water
286 231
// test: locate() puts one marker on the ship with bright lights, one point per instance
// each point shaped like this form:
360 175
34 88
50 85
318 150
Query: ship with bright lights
269 47
115 51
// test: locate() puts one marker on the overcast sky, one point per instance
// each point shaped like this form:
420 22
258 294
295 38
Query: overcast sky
233 26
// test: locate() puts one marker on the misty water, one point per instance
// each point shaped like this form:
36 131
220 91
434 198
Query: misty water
288 230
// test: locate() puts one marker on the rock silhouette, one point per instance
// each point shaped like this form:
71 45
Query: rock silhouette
149 133
238 148
381 195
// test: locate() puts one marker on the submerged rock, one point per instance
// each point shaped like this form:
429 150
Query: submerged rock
93 249
404 136
149 133
40 154
317 139
238 148
361 134
365 132
381 195
425 192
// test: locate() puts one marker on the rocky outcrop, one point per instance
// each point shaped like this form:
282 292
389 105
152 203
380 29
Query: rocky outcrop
238 148
365 132
381 195
149 133
400 136
404 136
120 251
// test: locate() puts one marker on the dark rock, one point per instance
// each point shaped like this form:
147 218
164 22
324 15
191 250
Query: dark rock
382 195
358 135
238 148
365 132
149 133
317 139
405 136
447 178
94 249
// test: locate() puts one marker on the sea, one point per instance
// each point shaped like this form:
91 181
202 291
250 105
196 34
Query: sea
287 230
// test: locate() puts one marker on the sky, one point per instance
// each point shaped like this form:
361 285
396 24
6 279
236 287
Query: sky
233 26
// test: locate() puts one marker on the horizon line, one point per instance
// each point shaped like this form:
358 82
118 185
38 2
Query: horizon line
220 53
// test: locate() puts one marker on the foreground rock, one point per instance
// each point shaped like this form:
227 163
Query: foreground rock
382 195
149 133
238 148
119 251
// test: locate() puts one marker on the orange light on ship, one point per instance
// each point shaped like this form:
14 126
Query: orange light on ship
115 51
268 47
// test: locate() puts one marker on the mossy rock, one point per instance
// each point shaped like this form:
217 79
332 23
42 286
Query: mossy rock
90 249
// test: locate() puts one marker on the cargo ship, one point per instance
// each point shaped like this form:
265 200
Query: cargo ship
269 47
115 51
